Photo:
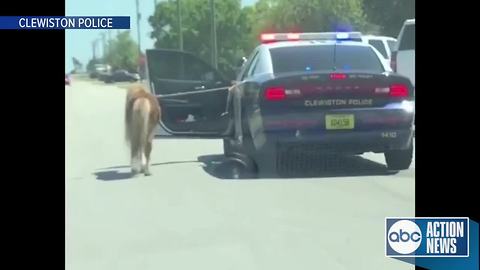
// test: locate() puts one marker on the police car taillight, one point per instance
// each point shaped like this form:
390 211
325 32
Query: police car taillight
395 90
398 90
275 93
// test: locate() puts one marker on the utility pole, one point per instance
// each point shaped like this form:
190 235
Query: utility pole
138 27
104 44
109 43
214 34
94 46
109 32
179 17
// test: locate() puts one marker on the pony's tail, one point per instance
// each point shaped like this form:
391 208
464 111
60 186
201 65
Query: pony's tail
130 99
128 118
138 131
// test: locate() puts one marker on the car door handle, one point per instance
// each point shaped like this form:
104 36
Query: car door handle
201 87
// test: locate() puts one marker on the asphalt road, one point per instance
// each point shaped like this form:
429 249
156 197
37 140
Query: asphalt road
189 215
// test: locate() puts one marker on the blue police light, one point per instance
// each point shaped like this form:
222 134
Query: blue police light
343 36
342 27
308 68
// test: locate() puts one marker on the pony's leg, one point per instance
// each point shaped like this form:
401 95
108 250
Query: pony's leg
148 150
134 161
143 161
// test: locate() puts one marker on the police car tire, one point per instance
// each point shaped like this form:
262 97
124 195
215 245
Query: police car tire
246 147
227 147
399 159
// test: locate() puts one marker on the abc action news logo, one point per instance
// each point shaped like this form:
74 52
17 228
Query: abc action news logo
427 237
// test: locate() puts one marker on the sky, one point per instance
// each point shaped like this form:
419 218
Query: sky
78 42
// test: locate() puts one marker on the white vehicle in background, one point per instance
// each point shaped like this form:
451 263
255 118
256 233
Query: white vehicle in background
403 59
384 45
100 69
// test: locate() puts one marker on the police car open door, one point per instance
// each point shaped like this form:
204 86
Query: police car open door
192 94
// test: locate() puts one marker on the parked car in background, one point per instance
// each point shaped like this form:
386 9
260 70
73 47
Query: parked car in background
403 59
102 76
100 69
385 45
122 75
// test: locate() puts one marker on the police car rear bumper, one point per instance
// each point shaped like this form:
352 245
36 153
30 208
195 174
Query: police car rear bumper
280 152
353 142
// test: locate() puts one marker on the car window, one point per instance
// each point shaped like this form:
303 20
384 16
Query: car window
248 66
198 71
178 66
392 44
169 68
255 65
295 59
357 58
378 44
260 67
325 57
407 41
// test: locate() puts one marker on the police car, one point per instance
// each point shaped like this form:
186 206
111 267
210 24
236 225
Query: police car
323 92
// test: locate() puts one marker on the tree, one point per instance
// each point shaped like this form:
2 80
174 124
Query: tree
389 14
91 64
232 30
238 29
122 52
311 16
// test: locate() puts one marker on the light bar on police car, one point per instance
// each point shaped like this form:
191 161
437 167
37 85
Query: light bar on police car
272 37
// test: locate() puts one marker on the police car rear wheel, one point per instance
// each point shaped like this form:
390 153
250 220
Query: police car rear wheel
399 159
229 146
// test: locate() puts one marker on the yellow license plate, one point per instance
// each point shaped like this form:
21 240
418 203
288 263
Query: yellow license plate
340 121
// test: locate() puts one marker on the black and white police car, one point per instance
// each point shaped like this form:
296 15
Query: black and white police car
323 92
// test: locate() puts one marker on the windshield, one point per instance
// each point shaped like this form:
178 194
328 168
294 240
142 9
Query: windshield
325 58
407 41
392 45
378 44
